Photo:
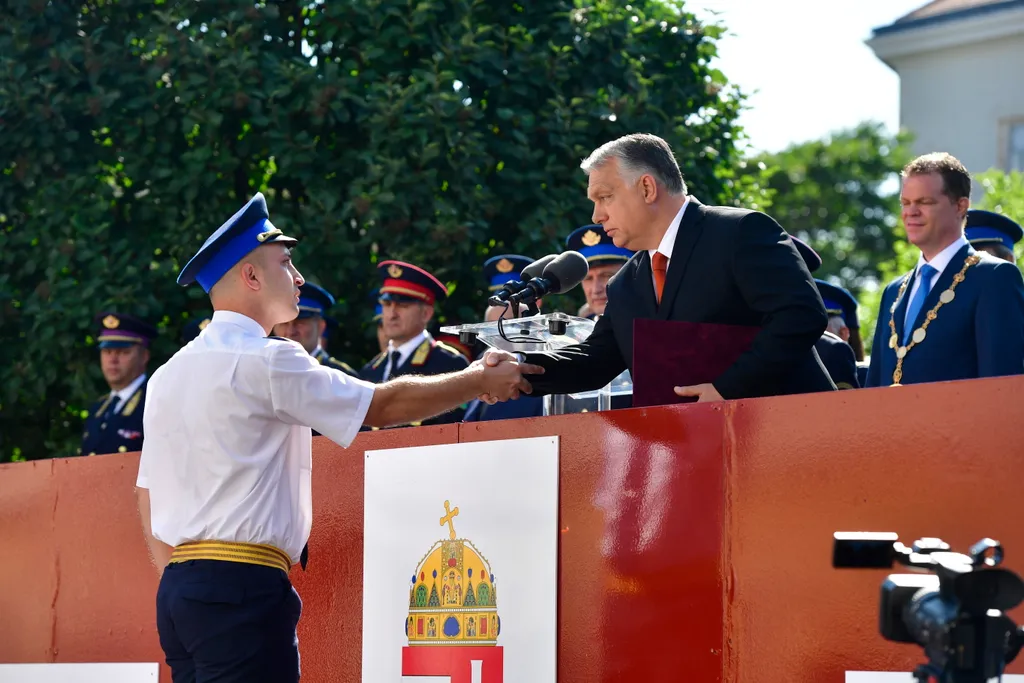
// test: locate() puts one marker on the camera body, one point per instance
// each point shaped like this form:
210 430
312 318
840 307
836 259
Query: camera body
954 608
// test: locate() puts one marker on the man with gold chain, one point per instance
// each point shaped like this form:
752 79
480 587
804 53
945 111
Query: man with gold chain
960 313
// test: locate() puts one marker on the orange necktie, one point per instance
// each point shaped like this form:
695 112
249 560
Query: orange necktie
659 265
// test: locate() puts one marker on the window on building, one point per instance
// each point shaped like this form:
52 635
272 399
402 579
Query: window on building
1015 153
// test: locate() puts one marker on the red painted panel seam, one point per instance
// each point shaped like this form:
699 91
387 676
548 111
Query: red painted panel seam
56 563
730 665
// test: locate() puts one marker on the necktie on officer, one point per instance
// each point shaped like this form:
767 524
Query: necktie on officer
395 356
917 303
659 266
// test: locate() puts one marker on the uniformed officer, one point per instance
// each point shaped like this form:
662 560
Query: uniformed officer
407 295
993 233
605 260
330 330
224 483
194 327
835 352
308 328
114 422
499 270
842 335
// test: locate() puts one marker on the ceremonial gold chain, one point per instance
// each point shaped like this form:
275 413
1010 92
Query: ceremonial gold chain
921 332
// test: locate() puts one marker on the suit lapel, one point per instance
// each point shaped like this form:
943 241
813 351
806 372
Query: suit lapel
942 283
901 306
644 287
686 240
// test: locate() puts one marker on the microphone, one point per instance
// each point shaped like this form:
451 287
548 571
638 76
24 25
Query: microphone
559 276
512 286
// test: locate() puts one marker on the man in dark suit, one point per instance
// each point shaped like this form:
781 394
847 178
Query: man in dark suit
959 313
114 421
407 296
697 263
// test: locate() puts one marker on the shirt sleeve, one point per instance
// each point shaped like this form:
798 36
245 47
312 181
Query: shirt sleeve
304 392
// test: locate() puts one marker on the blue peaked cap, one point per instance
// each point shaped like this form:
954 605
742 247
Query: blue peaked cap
596 246
988 226
839 302
248 229
314 300
503 268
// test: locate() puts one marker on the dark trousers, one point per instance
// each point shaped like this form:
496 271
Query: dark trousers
228 622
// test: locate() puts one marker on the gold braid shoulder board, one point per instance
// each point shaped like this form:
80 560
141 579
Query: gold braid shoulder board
922 332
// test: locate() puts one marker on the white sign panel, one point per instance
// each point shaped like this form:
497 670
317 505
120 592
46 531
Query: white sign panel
135 672
460 562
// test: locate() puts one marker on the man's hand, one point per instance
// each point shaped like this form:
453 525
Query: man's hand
705 393
503 376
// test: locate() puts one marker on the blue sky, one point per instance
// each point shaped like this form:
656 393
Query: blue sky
807 62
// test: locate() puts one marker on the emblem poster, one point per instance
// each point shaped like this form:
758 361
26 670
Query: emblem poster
460 559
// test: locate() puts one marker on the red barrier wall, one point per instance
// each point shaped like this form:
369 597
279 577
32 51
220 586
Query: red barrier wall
695 540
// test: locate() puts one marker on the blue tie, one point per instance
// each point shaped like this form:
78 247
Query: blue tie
924 276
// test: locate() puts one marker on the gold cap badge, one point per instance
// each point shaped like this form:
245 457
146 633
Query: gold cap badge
591 238
202 325
504 266
395 271
111 322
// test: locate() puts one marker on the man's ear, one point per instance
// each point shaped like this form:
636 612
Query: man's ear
250 276
321 326
428 313
649 188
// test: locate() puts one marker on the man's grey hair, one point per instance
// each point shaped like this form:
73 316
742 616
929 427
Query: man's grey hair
640 154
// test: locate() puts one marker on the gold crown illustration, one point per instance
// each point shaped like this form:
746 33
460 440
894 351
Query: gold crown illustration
453 599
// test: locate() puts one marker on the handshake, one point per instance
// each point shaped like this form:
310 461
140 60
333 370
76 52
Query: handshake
501 376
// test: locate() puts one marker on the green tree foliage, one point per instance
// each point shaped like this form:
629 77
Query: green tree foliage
841 196
435 131
1004 193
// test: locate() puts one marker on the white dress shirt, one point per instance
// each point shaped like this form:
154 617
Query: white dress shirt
404 351
227 455
669 240
939 263
120 398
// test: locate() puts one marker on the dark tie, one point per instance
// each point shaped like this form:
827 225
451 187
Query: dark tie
659 266
924 277
395 357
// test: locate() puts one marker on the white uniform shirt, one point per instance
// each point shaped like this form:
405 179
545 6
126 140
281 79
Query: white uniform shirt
404 351
227 454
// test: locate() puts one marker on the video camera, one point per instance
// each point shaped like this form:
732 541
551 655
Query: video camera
955 610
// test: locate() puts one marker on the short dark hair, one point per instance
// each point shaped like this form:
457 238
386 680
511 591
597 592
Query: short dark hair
639 154
956 181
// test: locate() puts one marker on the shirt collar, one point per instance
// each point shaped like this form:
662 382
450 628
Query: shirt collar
238 320
942 259
406 349
669 240
128 391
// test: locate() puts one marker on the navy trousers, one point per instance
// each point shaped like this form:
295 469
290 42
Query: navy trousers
228 622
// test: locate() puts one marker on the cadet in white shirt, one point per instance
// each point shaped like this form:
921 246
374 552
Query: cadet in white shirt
224 478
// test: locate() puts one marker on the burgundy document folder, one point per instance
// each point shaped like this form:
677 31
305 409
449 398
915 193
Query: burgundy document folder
673 353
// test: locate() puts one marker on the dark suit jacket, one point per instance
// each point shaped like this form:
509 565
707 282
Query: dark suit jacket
839 359
109 432
978 334
430 358
730 266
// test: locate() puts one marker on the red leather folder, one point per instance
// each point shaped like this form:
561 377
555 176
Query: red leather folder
674 353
